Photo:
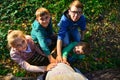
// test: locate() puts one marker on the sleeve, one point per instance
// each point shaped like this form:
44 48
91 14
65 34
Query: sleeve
82 23
42 42
68 49
25 65
63 24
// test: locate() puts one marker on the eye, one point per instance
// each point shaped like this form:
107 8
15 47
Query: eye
46 17
23 41
18 45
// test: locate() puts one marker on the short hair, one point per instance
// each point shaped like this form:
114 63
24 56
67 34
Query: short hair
13 35
77 4
41 12
86 47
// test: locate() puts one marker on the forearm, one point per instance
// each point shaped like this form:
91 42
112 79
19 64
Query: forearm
33 68
68 49
44 46
59 46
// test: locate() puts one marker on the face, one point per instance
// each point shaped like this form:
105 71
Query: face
44 20
78 50
75 13
21 45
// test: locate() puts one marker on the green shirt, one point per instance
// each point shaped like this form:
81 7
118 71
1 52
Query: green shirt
39 35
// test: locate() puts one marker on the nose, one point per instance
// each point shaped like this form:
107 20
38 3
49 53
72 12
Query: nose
76 15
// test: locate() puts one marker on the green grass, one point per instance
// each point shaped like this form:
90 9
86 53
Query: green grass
102 23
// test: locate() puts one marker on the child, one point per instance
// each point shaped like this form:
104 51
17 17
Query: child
71 20
75 51
42 32
63 72
26 53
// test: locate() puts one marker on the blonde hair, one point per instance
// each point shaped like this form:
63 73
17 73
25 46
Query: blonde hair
41 12
77 4
13 36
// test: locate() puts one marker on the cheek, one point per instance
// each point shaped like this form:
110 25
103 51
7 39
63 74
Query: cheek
47 21
74 50
39 21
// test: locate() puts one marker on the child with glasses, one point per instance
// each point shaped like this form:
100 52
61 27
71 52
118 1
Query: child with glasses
42 32
24 51
71 20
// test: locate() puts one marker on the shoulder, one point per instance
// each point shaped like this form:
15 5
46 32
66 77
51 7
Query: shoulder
74 43
36 25
82 17
65 21
29 39
64 16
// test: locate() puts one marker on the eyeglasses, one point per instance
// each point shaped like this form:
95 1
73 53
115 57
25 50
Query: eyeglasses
76 12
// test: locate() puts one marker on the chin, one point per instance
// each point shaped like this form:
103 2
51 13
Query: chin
75 20
45 26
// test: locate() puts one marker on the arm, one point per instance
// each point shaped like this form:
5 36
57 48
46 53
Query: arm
34 68
63 24
59 46
68 49
25 65
42 42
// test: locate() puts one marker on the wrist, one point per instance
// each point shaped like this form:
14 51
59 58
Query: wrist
45 69
59 55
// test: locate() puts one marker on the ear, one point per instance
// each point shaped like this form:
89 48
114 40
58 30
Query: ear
69 11
9 31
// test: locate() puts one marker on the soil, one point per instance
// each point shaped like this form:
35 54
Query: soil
109 74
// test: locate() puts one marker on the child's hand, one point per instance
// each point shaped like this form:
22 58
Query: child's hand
65 61
59 59
51 59
50 66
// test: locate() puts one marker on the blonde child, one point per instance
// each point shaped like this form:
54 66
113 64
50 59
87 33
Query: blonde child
24 51
42 32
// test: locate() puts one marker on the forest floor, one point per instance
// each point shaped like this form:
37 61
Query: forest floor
108 74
